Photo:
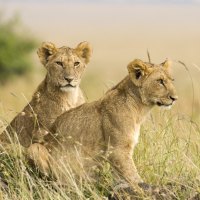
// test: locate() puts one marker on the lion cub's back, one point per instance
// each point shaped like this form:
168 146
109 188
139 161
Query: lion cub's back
82 123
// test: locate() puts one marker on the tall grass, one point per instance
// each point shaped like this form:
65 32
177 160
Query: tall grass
168 155
165 156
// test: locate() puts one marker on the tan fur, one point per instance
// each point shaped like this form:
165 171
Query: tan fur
57 93
110 126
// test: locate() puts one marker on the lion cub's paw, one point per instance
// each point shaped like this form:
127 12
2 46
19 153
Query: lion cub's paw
40 157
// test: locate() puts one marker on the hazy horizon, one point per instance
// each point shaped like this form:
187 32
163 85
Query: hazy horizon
110 1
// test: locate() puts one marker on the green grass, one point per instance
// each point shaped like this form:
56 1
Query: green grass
168 153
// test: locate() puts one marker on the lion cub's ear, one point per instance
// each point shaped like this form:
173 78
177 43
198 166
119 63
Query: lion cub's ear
84 51
137 71
166 64
47 49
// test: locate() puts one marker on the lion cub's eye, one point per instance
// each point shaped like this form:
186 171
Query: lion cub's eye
76 64
161 81
59 63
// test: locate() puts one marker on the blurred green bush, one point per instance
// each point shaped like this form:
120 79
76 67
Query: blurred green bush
15 49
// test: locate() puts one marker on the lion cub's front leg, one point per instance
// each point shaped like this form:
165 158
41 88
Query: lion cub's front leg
123 162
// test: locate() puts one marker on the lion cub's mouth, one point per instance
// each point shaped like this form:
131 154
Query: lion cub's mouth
162 104
68 85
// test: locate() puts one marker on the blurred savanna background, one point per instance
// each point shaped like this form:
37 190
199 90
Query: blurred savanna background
119 31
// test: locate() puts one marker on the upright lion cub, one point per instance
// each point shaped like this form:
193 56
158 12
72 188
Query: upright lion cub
57 93
110 125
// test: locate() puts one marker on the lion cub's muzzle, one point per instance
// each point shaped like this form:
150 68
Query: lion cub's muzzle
173 98
70 83
170 101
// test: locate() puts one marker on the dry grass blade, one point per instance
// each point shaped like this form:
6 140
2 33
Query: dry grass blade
149 58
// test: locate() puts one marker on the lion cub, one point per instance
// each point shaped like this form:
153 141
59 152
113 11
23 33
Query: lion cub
110 125
57 93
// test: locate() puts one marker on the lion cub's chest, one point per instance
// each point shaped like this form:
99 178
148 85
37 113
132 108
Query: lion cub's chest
136 134
71 101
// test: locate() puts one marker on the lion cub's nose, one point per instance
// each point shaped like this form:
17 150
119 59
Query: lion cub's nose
173 98
69 80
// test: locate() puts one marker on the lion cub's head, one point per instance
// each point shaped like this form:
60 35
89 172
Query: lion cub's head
64 65
154 82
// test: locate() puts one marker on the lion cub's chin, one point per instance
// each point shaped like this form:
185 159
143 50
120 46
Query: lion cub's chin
167 107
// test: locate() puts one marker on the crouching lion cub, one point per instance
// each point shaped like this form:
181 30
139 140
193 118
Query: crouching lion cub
111 124
57 93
